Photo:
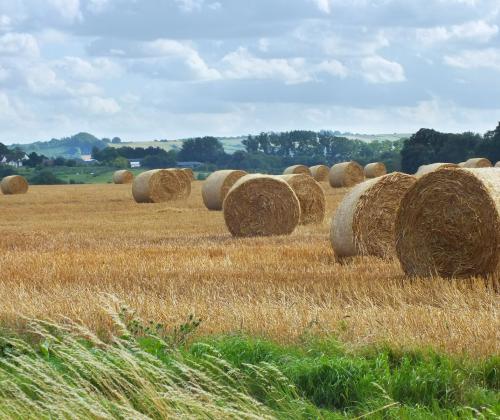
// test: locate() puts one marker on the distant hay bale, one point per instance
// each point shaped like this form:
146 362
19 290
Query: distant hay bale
425 169
497 165
297 169
217 185
449 224
123 177
189 172
158 186
374 170
14 184
346 174
320 172
476 163
364 222
261 205
311 197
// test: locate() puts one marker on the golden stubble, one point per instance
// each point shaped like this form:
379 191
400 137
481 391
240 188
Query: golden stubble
64 249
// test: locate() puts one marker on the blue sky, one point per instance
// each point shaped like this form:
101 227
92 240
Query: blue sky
145 69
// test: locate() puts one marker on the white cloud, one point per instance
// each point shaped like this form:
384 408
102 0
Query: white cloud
96 69
323 5
377 69
333 67
69 10
479 31
18 45
475 59
241 64
5 23
100 106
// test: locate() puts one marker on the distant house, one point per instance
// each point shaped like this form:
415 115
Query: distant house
135 163
191 165
14 163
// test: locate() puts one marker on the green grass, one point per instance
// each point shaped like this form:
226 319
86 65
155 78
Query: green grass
148 371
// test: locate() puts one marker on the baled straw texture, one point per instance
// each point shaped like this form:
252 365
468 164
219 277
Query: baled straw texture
426 169
346 174
123 177
260 205
217 185
364 221
374 170
320 172
14 184
449 224
476 163
189 173
297 169
158 186
185 181
311 197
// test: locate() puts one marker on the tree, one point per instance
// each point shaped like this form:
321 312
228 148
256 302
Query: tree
4 150
159 161
46 177
116 140
205 149
34 159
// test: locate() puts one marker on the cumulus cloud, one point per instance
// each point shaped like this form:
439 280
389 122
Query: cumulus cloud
377 69
100 106
18 45
479 31
475 59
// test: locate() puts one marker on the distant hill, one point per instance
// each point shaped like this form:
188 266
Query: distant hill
68 147
82 144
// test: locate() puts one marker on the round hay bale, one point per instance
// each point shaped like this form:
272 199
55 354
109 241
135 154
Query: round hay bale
217 185
14 184
425 169
185 181
158 186
476 163
189 173
364 222
297 169
320 172
448 224
497 165
311 197
123 177
261 205
374 170
346 174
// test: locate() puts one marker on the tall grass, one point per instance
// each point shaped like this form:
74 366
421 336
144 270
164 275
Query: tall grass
147 371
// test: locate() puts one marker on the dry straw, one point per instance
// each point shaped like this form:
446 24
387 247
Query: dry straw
320 172
476 163
449 224
185 181
158 186
311 197
14 184
217 185
374 170
425 169
497 165
346 174
261 205
364 221
189 173
297 169
123 177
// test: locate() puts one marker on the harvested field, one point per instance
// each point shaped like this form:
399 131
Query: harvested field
63 249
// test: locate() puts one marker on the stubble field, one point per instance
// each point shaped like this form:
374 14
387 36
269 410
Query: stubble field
67 251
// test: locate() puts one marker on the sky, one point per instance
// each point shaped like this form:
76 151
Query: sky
156 69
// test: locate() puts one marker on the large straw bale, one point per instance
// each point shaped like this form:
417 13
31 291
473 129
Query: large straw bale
217 185
374 170
261 205
123 177
449 224
364 222
189 172
14 184
320 172
185 181
346 174
476 163
311 197
425 169
158 186
297 169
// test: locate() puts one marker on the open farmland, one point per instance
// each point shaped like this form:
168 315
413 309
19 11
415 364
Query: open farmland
64 249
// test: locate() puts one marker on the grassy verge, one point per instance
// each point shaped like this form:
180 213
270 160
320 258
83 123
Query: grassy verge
149 372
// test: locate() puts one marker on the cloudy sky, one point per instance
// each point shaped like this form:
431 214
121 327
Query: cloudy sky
144 69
